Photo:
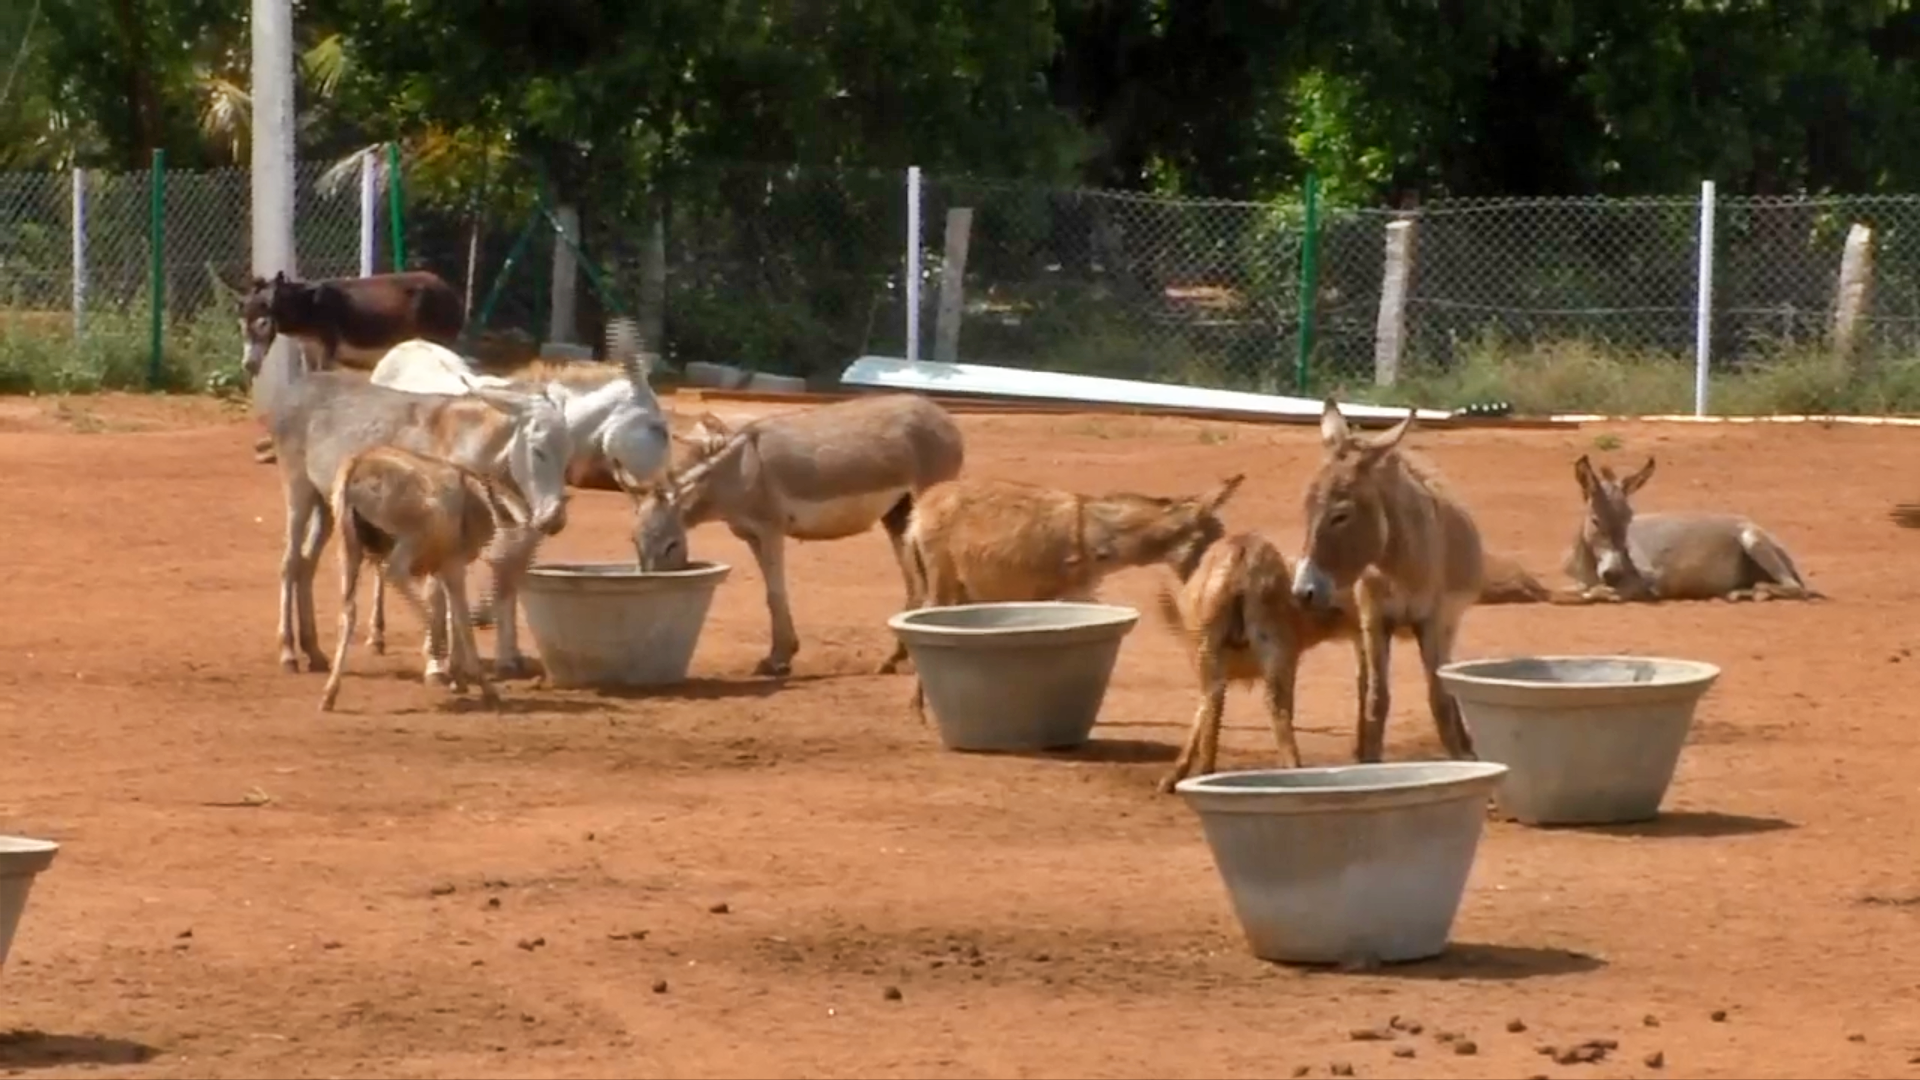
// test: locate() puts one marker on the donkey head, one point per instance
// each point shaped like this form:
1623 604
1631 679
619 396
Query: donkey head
537 453
1128 529
1345 509
264 309
659 531
660 508
1603 531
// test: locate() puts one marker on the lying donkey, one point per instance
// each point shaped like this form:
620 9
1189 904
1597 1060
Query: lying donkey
1620 555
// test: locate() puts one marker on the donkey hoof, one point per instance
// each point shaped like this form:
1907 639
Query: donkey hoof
512 667
771 666
378 645
319 663
290 665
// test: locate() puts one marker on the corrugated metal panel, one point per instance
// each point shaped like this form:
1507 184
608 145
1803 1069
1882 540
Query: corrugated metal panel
932 377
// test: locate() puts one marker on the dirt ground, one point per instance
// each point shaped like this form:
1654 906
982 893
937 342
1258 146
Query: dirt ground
250 888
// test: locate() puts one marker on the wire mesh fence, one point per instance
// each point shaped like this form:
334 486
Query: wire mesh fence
797 271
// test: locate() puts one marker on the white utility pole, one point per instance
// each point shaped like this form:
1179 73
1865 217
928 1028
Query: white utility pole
273 138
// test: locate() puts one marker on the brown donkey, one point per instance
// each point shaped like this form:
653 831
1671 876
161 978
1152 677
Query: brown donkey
980 540
1382 524
1620 555
1238 618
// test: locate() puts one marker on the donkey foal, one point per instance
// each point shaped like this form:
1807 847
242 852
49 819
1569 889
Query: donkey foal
421 517
1381 522
973 541
1238 617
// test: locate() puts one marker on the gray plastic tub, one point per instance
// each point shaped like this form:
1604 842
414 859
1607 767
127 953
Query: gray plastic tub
1015 676
1587 740
21 860
1353 864
610 624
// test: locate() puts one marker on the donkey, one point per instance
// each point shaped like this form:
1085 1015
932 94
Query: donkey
819 474
1619 555
348 320
1236 613
1383 524
420 517
321 419
614 418
977 540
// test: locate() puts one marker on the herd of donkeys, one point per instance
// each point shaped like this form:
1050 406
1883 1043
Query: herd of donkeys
426 483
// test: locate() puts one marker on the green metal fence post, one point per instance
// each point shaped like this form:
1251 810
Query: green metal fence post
479 322
396 226
156 265
1309 280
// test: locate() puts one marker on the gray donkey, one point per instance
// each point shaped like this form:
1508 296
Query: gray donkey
1620 555
320 419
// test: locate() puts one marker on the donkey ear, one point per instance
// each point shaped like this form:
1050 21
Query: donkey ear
1333 426
1213 500
1583 472
1395 433
628 482
1633 483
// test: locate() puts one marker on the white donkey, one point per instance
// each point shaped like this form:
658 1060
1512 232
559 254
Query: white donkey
618 423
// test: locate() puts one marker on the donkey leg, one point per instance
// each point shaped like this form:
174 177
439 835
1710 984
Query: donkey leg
1783 578
1279 665
1203 738
377 633
1201 750
299 509
1375 690
435 647
769 550
895 521
319 530
516 555
1436 648
466 652
350 559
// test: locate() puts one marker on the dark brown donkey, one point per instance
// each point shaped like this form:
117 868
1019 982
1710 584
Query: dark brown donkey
350 321
1381 523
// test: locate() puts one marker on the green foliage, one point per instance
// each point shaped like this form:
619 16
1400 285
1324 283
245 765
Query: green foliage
201 355
1575 376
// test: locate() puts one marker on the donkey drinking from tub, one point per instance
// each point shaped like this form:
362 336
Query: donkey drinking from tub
1381 522
819 474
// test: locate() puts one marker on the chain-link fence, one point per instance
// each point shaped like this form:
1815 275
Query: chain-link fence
82 252
798 271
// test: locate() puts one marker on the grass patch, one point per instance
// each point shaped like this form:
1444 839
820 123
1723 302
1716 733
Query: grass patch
40 354
1583 377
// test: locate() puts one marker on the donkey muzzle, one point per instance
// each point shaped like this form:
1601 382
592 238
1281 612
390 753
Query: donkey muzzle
1311 585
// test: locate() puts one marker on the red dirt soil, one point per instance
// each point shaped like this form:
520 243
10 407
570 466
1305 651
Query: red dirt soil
430 889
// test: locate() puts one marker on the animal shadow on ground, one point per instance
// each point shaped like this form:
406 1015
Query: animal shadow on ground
1111 751
1499 963
26 1049
704 689
1702 824
533 704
